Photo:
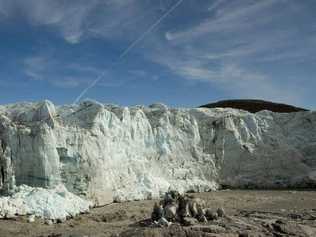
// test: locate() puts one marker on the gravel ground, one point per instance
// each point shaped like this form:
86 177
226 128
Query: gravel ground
248 213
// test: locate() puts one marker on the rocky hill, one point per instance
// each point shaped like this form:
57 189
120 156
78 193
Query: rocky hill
254 106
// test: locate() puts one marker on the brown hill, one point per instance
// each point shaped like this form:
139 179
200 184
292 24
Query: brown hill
254 106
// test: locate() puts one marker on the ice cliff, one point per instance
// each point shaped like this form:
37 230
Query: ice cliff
103 152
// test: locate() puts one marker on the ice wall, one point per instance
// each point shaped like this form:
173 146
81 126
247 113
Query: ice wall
105 152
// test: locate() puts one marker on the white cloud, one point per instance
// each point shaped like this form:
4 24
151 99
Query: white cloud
2 13
67 82
138 73
83 68
79 19
233 78
251 45
243 31
227 48
34 67
233 17
69 19
58 73
215 5
63 74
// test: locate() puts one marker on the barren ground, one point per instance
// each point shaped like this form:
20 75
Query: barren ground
249 213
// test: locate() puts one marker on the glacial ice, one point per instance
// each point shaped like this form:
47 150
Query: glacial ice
52 204
104 153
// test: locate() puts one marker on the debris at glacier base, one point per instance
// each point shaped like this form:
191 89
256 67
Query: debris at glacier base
50 204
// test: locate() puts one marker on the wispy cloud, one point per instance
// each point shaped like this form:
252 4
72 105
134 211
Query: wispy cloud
58 72
233 17
34 67
77 20
243 29
138 73
67 82
63 74
142 74
2 13
214 6
226 47
233 79
83 68
67 17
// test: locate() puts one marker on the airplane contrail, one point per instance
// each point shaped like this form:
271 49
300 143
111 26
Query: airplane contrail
129 48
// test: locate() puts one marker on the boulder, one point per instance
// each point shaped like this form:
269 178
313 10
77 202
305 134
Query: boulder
157 212
220 212
183 207
163 222
196 206
31 219
170 212
189 221
48 222
210 214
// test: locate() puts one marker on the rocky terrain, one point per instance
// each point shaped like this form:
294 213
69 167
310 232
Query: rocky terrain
247 213
57 161
254 106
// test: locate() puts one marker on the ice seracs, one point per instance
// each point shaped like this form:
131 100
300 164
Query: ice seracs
104 153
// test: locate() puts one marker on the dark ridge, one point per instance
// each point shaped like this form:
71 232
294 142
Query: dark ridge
254 106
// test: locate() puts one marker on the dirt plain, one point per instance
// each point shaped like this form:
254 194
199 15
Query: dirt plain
248 213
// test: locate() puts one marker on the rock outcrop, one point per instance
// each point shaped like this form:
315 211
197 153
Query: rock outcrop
254 106
106 153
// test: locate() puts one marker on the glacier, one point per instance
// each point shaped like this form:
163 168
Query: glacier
102 153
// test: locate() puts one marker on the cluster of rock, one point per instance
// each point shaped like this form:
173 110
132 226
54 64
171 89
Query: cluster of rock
184 209
242 224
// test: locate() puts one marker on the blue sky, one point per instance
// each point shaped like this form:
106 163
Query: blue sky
205 50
